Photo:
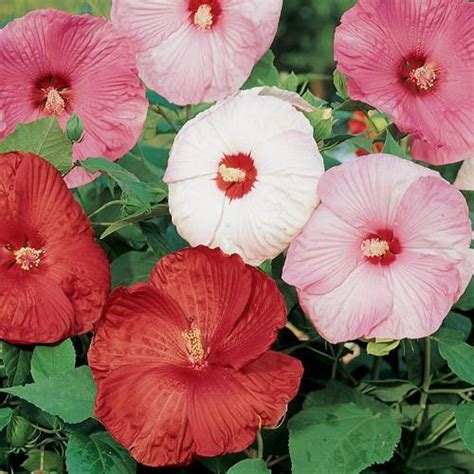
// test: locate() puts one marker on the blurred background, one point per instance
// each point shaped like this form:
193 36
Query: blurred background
304 43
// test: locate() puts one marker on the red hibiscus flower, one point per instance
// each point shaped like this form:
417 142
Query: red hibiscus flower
54 278
183 364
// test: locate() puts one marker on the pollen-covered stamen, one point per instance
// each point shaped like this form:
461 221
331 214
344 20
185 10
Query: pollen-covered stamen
232 175
204 18
54 104
194 344
424 77
28 257
374 247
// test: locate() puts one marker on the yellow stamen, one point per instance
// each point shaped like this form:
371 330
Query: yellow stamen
425 77
374 247
54 102
28 257
203 17
232 175
194 344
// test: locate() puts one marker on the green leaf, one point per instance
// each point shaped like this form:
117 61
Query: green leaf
69 395
162 236
340 83
264 73
391 147
44 462
17 363
459 323
5 417
458 354
51 360
249 466
75 128
97 454
290 82
132 267
388 391
44 138
382 347
464 415
341 438
129 183
466 302
321 120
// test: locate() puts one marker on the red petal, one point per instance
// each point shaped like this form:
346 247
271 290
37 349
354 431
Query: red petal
34 309
144 409
140 325
211 288
227 407
257 328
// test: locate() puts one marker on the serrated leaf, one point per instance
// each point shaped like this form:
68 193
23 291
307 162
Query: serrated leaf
250 466
97 454
17 363
458 354
69 395
264 73
51 360
43 137
128 183
341 438
464 415
391 147
5 417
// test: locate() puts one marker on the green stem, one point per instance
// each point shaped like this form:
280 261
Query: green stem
425 388
157 109
456 391
376 368
447 424
105 206
337 355
259 444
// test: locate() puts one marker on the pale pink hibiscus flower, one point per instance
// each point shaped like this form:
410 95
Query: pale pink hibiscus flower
242 175
193 51
56 64
385 255
414 60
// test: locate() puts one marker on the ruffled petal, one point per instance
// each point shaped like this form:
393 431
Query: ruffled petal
424 288
423 151
143 407
354 308
227 408
33 310
366 192
140 325
324 254
438 223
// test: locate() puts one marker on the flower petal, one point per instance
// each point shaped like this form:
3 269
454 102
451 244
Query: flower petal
465 177
354 308
424 289
366 192
143 407
324 254
141 324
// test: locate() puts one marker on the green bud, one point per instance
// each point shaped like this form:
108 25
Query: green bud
382 347
19 431
75 129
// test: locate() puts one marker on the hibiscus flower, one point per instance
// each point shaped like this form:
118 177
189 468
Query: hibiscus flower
385 255
193 51
413 60
56 64
182 363
242 175
54 278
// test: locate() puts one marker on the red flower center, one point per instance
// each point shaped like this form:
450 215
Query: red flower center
236 175
381 247
204 14
52 95
28 257
419 74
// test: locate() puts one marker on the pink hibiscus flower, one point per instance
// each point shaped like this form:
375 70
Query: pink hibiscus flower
194 51
54 63
385 255
242 175
414 60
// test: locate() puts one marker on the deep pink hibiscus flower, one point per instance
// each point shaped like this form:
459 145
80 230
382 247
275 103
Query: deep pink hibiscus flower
194 51
385 255
414 60
54 63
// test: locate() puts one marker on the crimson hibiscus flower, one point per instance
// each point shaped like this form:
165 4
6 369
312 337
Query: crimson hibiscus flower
183 364
54 278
